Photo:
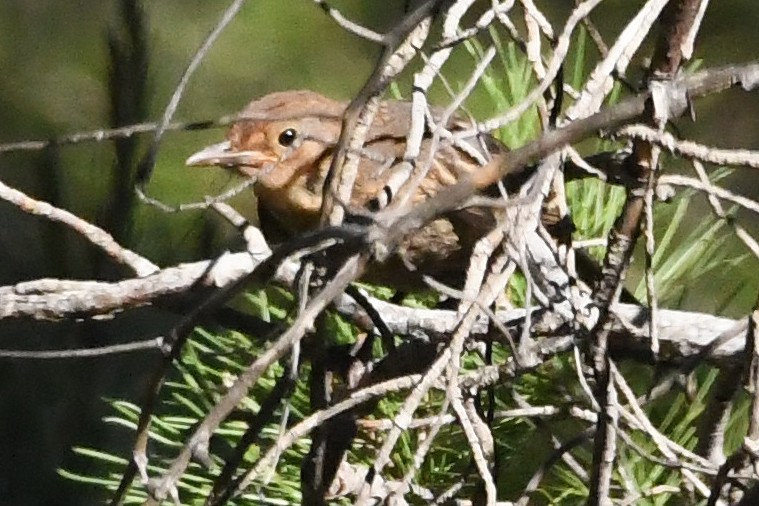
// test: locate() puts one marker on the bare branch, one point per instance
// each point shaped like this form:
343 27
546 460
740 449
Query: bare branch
97 236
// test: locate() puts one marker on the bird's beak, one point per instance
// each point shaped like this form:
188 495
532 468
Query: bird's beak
216 154
222 154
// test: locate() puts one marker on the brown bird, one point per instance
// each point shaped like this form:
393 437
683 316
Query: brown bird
286 141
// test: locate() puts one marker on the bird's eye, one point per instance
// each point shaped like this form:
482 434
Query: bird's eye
287 137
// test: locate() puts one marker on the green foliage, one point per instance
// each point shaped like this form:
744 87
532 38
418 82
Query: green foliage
209 365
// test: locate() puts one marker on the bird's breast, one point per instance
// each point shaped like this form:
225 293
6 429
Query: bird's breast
294 206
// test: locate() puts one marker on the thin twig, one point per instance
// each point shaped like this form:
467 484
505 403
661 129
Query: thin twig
349 25
148 161
691 150
155 343
123 132
95 235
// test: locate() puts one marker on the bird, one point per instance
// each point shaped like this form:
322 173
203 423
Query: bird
286 140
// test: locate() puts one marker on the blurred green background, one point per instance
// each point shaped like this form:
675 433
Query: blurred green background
55 61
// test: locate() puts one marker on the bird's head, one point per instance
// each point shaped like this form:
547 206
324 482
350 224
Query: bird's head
278 138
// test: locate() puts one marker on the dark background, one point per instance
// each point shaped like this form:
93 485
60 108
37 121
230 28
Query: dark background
55 64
